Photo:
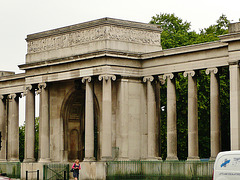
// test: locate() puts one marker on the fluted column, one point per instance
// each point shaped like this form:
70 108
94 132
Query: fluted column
3 125
192 116
44 134
215 112
152 118
89 120
234 75
106 137
13 128
171 117
29 124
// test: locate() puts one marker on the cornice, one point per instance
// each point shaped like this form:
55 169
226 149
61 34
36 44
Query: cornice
99 22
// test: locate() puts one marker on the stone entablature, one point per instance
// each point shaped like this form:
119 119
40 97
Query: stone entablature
102 34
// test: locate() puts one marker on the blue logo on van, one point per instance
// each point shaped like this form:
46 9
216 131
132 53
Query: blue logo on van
225 163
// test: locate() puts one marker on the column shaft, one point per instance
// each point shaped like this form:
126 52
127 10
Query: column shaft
122 122
106 116
89 121
30 125
152 119
13 132
44 140
234 106
171 119
215 112
3 125
192 116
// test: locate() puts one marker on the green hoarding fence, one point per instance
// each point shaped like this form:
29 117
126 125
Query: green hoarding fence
55 171
11 169
159 170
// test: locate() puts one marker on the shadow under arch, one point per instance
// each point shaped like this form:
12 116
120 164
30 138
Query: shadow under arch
73 125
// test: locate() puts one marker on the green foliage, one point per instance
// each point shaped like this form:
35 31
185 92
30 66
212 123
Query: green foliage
176 32
21 142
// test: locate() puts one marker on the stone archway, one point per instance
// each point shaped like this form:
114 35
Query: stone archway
73 114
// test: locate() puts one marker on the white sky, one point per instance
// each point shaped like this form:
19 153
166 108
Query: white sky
18 18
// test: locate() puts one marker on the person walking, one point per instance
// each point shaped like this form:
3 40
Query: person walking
76 167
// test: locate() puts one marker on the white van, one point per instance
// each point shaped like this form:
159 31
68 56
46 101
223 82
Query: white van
227 166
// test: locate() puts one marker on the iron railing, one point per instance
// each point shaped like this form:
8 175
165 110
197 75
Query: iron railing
55 171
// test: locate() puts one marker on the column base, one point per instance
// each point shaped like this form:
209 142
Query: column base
172 158
89 159
14 160
44 160
29 160
212 158
154 159
3 160
193 158
107 158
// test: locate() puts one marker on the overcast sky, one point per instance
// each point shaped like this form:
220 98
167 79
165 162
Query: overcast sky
19 18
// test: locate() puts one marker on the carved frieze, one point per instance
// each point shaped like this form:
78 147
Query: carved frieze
94 34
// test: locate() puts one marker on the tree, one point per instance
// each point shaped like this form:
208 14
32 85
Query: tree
176 33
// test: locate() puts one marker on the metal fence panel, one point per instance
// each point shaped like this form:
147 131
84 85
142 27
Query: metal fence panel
55 171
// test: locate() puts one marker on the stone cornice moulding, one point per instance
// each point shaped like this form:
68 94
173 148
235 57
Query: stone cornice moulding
90 24
107 77
86 79
168 75
148 78
187 73
212 70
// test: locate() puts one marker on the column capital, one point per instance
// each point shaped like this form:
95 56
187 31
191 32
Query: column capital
233 62
189 73
88 78
107 77
168 75
148 78
12 96
41 86
27 88
161 79
214 70
1 97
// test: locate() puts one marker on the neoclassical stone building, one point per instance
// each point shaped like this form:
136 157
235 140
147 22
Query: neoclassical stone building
99 86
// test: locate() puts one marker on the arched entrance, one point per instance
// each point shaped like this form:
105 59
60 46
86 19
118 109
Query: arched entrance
73 114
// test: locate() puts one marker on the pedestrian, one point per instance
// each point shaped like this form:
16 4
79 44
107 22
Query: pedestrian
76 167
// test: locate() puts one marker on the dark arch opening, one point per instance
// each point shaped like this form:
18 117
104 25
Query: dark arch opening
73 114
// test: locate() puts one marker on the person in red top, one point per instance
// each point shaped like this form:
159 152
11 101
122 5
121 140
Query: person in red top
76 166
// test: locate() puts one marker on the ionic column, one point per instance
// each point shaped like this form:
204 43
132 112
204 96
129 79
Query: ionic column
3 125
29 124
89 120
44 134
106 137
152 118
171 117
13 128
215 112
192 116
234 74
